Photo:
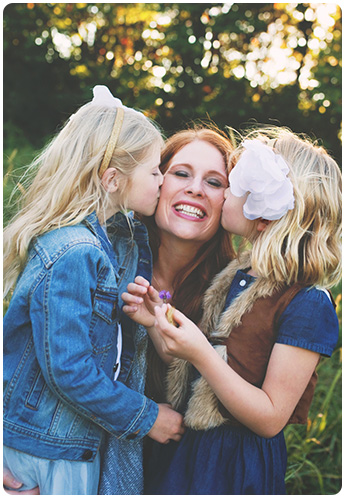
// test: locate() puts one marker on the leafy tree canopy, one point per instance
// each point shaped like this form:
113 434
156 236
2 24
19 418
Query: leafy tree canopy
232 62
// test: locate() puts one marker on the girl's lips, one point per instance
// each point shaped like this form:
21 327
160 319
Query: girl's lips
189 212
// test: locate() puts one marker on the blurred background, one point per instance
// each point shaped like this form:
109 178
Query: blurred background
236 64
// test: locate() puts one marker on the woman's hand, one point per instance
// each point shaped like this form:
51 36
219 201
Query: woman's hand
10 482
140 300
185 341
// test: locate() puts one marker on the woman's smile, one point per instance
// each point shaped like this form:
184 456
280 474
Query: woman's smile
190 211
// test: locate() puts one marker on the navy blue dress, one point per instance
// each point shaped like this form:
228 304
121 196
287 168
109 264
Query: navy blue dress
233 460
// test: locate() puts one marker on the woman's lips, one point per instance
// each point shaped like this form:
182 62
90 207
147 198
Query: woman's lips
190 212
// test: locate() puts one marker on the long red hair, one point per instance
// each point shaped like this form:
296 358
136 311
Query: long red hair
193 280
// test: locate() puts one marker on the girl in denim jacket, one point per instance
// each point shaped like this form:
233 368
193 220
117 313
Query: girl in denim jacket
62 340
267 320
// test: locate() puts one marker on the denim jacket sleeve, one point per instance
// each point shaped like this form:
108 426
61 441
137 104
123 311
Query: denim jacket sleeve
61 311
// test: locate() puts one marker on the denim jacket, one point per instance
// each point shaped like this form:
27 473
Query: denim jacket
60 343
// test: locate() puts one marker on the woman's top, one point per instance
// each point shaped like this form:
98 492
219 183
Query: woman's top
60 343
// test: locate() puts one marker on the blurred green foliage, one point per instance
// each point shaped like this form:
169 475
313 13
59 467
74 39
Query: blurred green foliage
236 64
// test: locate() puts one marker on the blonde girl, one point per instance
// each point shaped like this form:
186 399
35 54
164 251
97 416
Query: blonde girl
62 340
268 318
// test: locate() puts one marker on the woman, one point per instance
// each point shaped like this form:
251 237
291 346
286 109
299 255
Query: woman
189 248
194 163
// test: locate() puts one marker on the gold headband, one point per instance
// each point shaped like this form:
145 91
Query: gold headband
112 141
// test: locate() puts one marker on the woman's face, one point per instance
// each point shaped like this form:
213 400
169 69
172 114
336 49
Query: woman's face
192 193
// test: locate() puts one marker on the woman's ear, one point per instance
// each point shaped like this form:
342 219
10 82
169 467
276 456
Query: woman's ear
262 224
109 180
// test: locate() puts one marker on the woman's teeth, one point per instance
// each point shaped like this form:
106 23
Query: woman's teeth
189 210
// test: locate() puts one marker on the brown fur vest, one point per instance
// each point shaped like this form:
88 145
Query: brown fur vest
243 335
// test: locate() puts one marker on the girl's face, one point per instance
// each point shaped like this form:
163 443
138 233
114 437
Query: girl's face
192 193
144 187
233 219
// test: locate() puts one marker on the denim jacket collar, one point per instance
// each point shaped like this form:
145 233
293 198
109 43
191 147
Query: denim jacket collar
127 225
123 226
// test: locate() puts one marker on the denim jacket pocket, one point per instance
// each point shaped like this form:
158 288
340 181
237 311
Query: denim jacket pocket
36 391
105 319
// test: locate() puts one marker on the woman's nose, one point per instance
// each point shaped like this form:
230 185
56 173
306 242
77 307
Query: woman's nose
195 187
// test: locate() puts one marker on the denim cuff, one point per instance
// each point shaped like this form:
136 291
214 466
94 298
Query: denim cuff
143 422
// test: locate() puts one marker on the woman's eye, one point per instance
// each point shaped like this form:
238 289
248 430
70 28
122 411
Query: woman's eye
181 173
215 182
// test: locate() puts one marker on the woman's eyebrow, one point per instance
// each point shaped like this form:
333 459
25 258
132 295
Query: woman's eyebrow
179 164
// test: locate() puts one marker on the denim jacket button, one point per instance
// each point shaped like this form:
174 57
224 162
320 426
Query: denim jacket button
87 455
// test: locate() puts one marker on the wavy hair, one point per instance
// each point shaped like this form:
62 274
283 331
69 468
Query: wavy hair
305 244
66 186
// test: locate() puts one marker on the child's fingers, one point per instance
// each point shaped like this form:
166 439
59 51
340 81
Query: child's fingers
178 316
130 299
162 322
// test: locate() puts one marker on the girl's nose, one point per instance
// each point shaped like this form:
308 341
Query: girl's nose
161 179
226 194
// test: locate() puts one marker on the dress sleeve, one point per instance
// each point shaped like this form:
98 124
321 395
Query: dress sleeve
310 322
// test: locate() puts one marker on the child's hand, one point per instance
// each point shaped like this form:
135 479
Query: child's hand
185 341
168 425
140 300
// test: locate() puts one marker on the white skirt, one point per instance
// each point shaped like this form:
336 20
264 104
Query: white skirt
53 477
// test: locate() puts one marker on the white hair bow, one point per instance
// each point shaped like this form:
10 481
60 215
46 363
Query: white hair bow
103 97
262 174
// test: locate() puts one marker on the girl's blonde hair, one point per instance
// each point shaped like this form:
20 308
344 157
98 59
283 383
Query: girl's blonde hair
305 244
67 186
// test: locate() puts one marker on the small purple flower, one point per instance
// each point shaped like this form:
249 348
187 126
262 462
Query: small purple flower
165 295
